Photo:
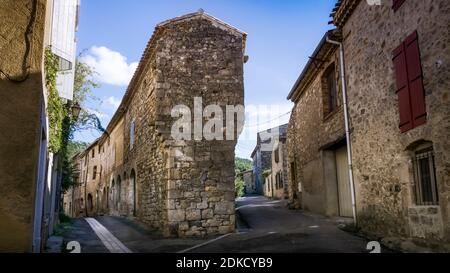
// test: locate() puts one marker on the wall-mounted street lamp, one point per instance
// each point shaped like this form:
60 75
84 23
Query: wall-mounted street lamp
76 109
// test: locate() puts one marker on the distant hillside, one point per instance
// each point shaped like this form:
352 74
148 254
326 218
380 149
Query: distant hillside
242 165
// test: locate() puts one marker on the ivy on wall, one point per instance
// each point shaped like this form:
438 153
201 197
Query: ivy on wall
56 109
60 123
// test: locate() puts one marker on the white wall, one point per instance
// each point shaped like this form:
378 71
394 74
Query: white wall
63 42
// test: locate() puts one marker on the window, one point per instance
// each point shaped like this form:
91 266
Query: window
409 79
279 181
132 134
425 178
90 202
292 171
63 64
93 153
330 94
396 4
277 155
94 173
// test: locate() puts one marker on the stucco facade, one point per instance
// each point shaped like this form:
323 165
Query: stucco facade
22 118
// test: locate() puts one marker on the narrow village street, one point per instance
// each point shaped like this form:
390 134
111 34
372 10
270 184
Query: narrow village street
263 226
225 128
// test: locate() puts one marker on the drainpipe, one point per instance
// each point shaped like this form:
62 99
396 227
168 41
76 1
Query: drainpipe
347 127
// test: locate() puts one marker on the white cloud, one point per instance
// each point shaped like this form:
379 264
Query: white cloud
98 114
112 103
111 66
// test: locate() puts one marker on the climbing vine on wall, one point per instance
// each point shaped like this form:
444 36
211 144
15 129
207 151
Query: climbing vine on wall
60 124
56 109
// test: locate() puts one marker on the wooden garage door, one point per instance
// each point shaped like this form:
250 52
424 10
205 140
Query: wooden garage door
345 201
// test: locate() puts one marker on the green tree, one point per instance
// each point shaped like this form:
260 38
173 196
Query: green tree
83 94
241 165
239 186
75 147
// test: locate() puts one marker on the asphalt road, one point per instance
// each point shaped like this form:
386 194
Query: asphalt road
267 226
264 226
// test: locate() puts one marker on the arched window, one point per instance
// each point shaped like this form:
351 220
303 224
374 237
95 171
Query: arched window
90 202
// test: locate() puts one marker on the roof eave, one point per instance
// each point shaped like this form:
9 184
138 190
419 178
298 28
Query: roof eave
307 69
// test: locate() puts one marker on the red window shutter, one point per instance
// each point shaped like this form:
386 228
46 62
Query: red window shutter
409 79
402 89
396 4
415 77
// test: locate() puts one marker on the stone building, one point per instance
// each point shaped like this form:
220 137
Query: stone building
262 154
138 168
249 182
30 174
276 184
396 60
316 136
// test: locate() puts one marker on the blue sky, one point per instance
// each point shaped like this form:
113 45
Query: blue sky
281 37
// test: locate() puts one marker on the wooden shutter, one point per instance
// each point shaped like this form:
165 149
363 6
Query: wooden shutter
409 80
402 89
396 4
415 77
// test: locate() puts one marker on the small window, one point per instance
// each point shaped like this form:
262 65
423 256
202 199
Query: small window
93 153
277 155
132 127
63 64
330 90
94 173
425 178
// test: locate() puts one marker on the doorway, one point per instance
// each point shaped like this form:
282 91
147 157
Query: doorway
342 173
133 184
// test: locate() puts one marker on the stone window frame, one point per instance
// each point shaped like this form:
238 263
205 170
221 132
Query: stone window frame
132 133
424 151
277 155
94 172
327 113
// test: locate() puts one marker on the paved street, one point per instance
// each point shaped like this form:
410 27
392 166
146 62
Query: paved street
263 226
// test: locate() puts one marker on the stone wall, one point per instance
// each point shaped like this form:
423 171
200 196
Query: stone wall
382 158
312 135
249 181
182 187
20 114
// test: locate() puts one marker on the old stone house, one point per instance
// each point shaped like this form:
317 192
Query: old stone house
30 174
262 154
396 62
137 168
249 182
316 136
276 183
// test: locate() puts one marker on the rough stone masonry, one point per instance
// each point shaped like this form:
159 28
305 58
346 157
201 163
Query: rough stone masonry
184 188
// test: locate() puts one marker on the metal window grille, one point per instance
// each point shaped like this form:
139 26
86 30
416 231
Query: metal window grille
425 179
